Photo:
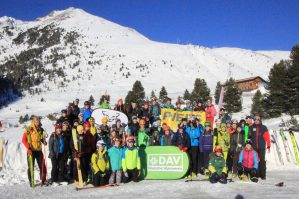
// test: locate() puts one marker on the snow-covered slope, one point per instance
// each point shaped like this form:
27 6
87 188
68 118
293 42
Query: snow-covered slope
107 56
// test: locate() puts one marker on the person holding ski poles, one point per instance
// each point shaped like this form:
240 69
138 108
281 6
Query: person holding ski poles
33 138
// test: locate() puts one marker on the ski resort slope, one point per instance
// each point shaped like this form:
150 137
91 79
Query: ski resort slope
119 51
170 189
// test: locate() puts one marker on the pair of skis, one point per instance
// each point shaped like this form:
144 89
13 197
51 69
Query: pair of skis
295 146
97 187
76 146
275 141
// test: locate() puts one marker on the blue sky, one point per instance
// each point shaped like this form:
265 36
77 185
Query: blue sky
251 24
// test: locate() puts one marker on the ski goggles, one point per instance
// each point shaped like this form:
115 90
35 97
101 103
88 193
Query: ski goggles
257 118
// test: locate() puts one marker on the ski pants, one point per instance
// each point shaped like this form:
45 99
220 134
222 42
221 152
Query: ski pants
98 179
218 178
248 172
262 163
235 160
115 177
193 154
132 175
206 158
39 157
58 168
70 168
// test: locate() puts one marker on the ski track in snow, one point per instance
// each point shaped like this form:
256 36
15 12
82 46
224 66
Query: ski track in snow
169 189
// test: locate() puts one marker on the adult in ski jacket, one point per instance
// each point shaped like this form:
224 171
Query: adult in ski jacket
194 134
105 104
237 144
145 114
86 111
223 139
223 116
188 106
248 162
33 138
210 112
168 104
155 110
134 126
181 139
206 144
143 138
58 147
120 107
260 138
166 139
131 162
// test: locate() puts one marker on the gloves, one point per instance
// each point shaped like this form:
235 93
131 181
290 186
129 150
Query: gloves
180 147
185 149
29 151
268 149
126 174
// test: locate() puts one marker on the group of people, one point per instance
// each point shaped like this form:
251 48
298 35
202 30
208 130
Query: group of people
105 154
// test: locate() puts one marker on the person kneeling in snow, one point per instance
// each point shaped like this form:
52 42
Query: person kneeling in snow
248 162
99 165
217 166
131 161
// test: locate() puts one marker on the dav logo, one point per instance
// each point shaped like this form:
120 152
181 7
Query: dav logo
165 162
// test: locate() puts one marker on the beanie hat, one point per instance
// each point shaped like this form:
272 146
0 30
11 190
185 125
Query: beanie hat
207 124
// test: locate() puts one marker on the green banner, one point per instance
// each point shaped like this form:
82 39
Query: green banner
163 162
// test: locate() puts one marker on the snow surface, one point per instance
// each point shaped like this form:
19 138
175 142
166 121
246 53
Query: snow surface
170 189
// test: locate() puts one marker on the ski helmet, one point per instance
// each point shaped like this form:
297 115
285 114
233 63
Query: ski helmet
218 149
104 120
207 123
91 119
101 143
86 124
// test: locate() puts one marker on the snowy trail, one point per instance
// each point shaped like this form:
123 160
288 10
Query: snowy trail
170 189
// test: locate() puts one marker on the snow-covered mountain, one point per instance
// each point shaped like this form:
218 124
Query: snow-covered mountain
71 53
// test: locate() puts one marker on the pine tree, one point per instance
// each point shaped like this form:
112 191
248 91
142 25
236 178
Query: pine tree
91 100
278 97
257 106
217 92
232 97
136 95
187 95
200 92
293 82
163 93
153 95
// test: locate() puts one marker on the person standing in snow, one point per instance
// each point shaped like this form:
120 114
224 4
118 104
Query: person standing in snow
120 107
223 116
33 138
58 149
155 110
115 158
131 162
86 111
222 139
168 104
188 106
210 112
105 104
260 141
100 165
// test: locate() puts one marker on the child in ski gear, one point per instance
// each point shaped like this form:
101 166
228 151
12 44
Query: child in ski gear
105 104
132 111
81 118
104 131
236 146
145 114
155 110
217 167
166 139
58 148
181 139
143 138
248 162
168 104
210 112
194 133
154 135
260 141
134 126
131 162
115 159
222 139
100 165
33 138
188 106
64 117
206 145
